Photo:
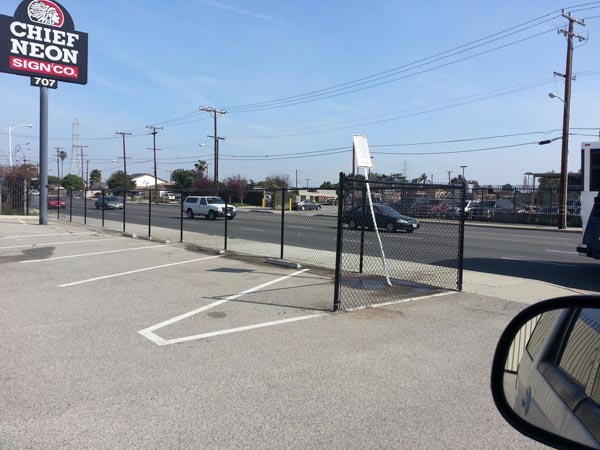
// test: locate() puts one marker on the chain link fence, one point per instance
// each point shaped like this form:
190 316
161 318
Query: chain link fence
15 196
406 251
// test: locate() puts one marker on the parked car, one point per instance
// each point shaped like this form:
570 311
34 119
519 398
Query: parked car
386 217
55 203
545 373
306 205
208 206
332 201
487 209
110 202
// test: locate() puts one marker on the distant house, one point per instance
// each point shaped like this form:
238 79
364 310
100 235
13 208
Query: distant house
95 189
146 181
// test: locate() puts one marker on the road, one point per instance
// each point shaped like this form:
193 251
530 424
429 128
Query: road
544 255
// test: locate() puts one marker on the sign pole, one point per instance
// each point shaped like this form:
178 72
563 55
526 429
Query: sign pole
43 156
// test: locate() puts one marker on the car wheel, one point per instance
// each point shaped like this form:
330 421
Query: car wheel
352 224
190 213
230 218
302 208
410 230
390 228
318 208
211 215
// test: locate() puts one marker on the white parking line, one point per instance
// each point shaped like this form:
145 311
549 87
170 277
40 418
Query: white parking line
47 234
562 251
59 243
23 222
302 228
540 262
149 332
89 254
253 229
89 280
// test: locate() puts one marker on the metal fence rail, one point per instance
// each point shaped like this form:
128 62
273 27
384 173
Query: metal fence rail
422 256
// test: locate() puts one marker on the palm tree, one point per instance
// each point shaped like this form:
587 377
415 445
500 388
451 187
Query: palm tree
201 166
62 155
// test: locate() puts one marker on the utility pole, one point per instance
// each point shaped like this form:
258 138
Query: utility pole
463 172
449 174
215 115
154 133
568 76
307 180
81 155
296 179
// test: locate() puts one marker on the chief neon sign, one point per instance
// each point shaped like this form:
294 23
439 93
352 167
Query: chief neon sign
41 40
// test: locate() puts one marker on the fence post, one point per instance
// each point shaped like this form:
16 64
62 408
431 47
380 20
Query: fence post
282 220
124 205
338 249
71 205
85 205
58 202
461 237
362 231
103 195
227 199
181 219
150 214
515 206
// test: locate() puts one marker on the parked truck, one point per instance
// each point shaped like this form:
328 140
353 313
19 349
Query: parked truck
590 200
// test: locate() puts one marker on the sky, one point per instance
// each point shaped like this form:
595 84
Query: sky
299 79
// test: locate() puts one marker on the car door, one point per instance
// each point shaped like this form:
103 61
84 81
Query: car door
202 207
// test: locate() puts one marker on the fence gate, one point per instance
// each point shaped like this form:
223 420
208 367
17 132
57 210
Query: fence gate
421 231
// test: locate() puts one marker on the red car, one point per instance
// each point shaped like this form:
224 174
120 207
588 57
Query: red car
55 203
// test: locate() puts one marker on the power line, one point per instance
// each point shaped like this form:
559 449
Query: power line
395 70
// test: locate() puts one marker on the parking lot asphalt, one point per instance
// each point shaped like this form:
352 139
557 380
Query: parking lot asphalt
116 343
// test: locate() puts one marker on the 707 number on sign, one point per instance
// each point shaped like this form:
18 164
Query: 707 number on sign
44 82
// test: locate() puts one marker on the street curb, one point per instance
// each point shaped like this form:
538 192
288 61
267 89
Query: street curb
200 248
284 263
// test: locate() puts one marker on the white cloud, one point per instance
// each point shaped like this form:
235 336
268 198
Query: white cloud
243 12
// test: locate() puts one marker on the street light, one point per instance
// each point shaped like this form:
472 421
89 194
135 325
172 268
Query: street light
555 95
10 130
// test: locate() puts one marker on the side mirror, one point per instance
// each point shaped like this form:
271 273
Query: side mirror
546 372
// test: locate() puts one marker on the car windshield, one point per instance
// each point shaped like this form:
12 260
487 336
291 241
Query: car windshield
215 200
389 211
112 199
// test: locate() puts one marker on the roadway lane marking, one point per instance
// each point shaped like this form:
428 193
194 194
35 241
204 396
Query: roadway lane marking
540 262
59 243
89 254
253 229
48 234
89 280
562 251
22 222
149 332
303 228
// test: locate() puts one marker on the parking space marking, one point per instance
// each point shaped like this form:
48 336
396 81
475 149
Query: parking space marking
540 262
253 229
563 251
88 233
60 243
90 254
23 222
149 332
145 269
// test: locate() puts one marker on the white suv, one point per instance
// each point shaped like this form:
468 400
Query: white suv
209 207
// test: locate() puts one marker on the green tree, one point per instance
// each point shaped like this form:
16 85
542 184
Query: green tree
95 176
118 182
201 167
73 183
421 179
183 178
328 185
62 155
237 186
53 180
275 181
548 183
